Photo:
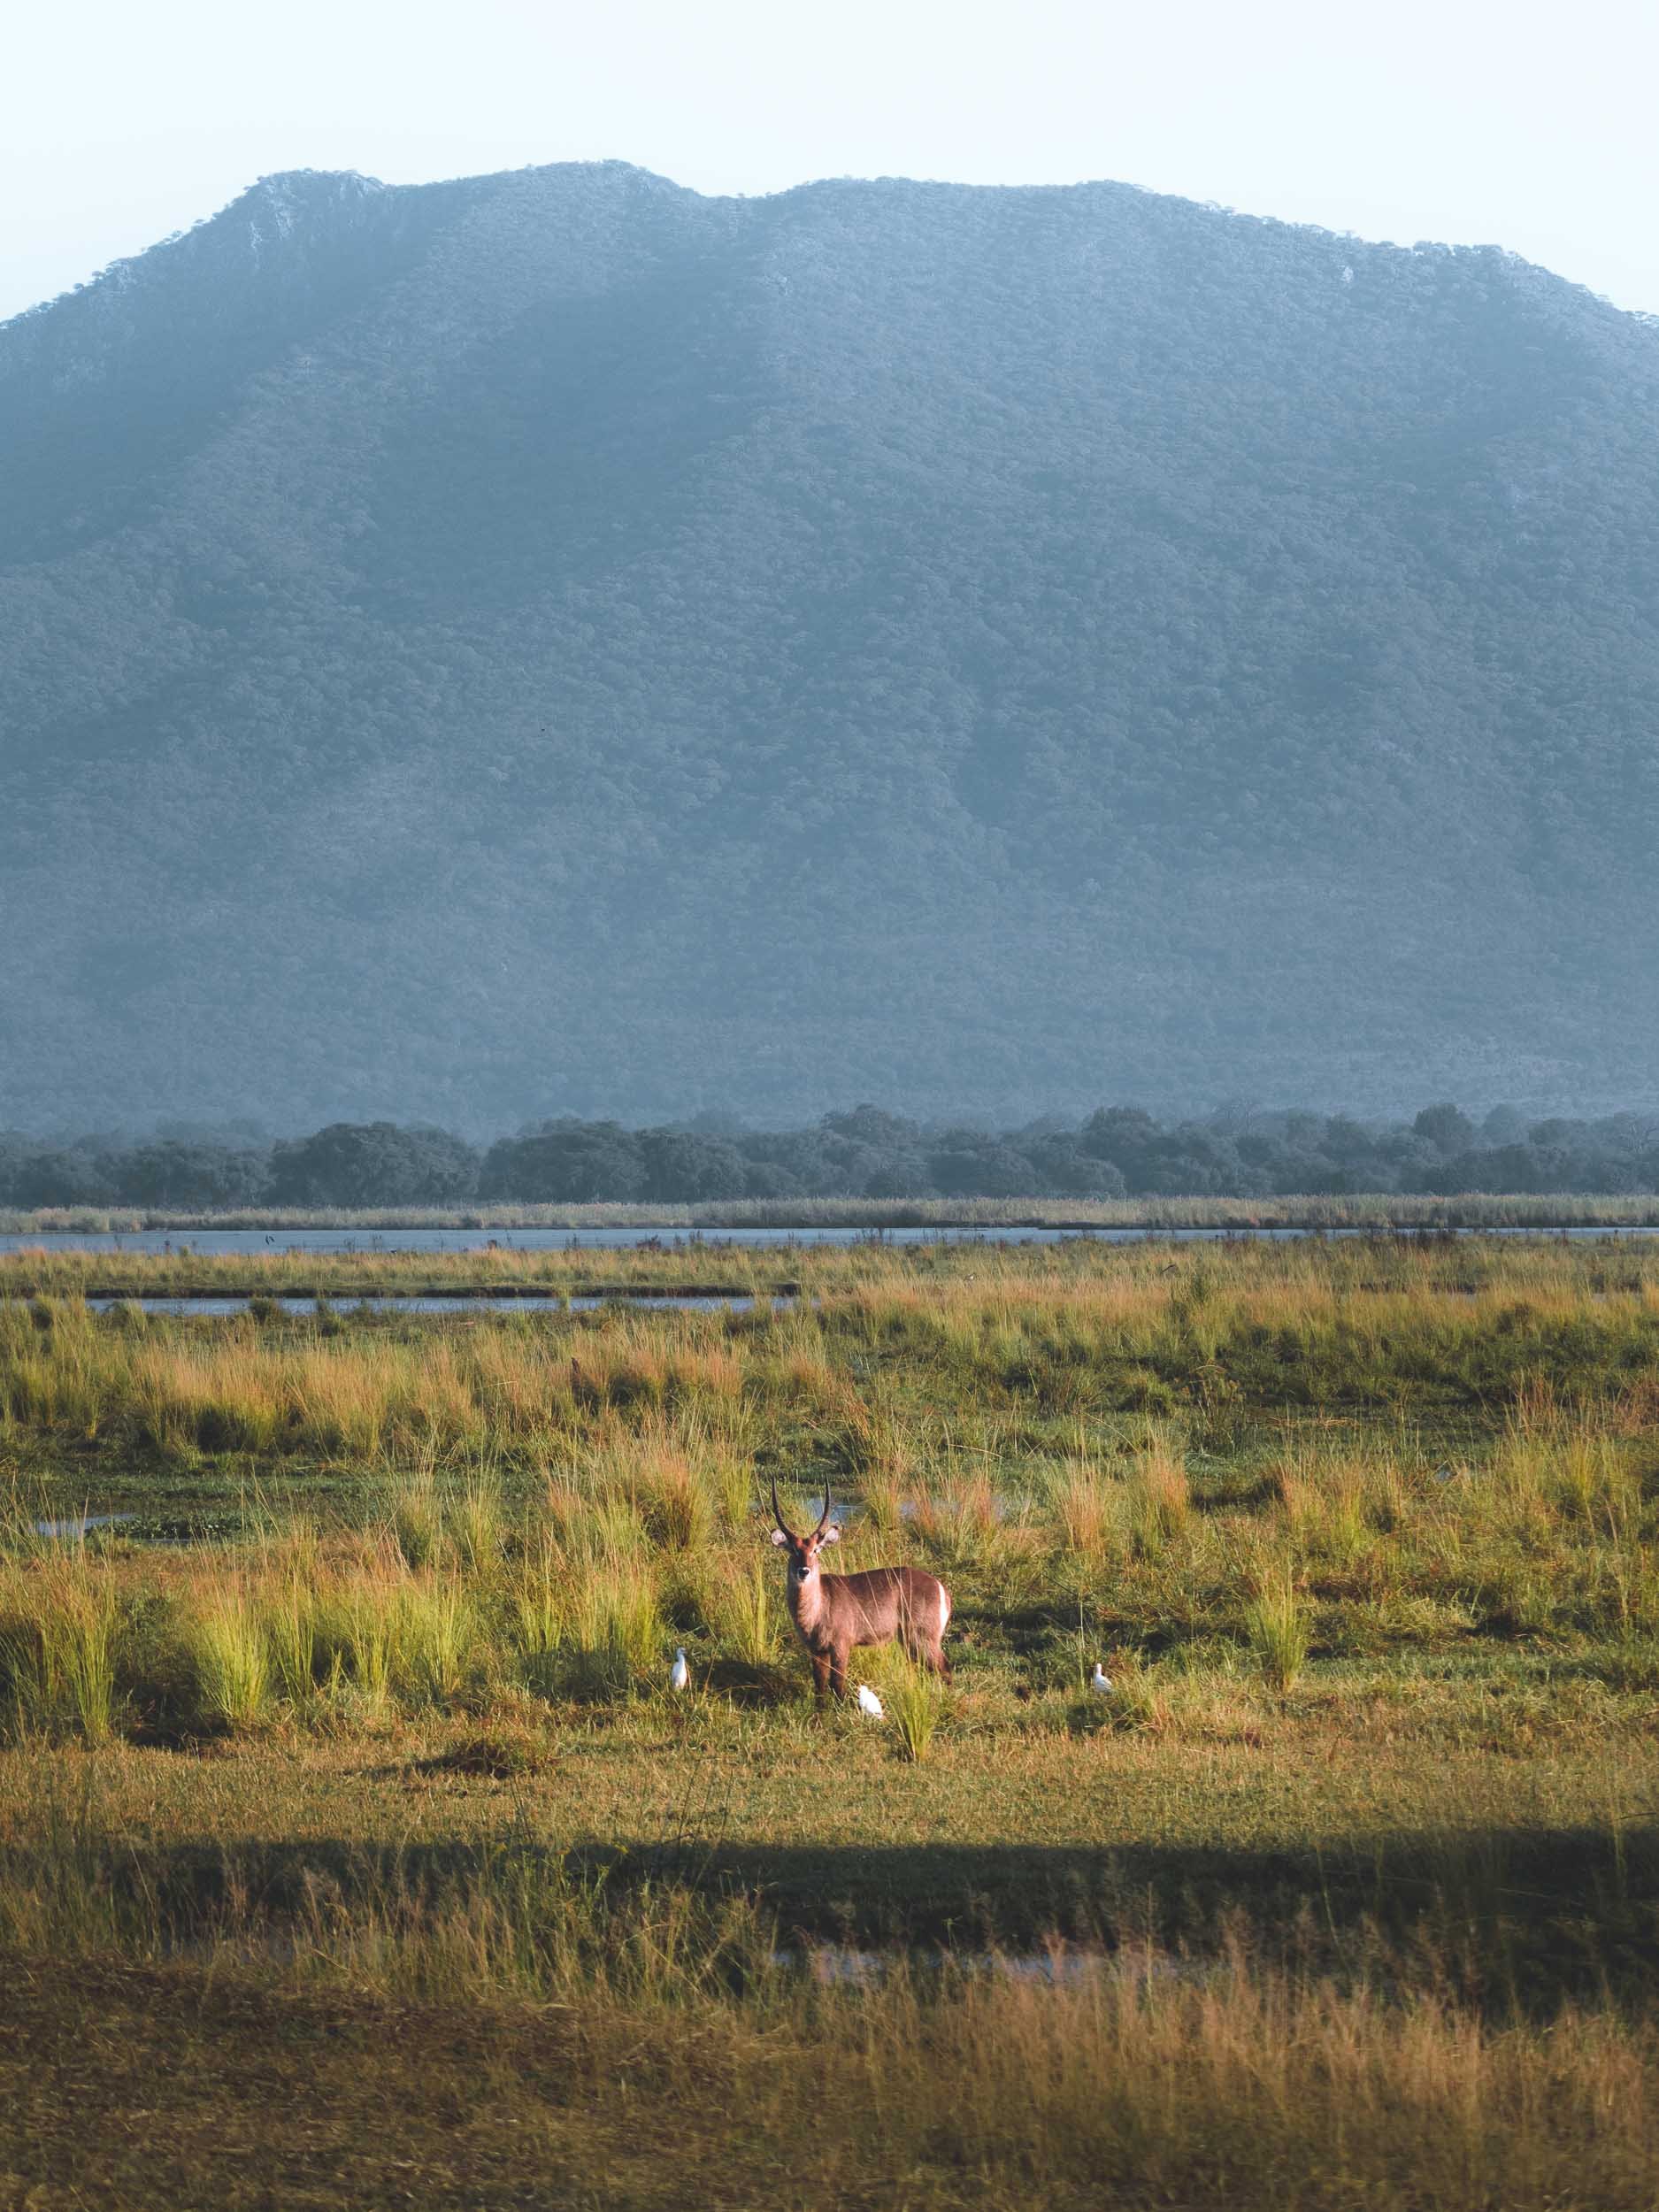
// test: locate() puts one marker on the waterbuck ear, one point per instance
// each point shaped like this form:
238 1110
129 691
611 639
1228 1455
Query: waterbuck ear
832 1535
778 1536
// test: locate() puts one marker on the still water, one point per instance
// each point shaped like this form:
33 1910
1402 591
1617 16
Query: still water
249 1241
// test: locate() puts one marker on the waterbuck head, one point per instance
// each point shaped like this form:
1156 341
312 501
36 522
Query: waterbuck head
802 1550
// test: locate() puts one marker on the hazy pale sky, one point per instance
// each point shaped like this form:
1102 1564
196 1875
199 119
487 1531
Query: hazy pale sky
1518 124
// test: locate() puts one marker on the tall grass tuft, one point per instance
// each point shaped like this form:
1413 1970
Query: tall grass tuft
615 1633
359 1636
971 1510
434 1631
620 1611
675 1499
232 1653
883 1503
915 1699
732 1481
537 1604
1160 1498
741 1609
1087 1504
1324 1506
475 1524
290 1621
418 1520
58 1655
1276 1622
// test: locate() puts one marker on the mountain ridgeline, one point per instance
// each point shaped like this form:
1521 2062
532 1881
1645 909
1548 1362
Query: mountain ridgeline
556 644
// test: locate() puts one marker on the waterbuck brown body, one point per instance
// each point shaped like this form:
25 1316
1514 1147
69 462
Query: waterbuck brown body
835 1613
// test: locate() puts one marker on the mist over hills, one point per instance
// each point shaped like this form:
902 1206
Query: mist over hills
555 643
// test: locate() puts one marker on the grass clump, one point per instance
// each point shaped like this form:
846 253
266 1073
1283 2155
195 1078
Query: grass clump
740 1606
1159 1499
418 1520
231 1648
915 1699
611 1634
59 1629
1277 1627
1090 1505
434 1629
538 1609
291 1633
475 1524
358 1641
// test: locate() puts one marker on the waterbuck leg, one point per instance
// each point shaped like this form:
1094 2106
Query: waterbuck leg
928 1653
838 1673
820 1676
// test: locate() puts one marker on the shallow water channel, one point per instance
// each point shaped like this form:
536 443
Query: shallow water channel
249 1243
348 1242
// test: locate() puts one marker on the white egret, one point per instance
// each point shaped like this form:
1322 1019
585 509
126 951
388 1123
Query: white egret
868 1702
1099 1681
680 1673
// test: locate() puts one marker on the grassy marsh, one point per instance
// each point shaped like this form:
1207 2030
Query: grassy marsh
1349 1892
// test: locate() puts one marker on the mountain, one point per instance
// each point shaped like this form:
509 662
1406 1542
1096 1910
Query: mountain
553 642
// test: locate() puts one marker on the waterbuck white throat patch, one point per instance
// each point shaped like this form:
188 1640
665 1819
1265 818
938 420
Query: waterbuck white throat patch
809 1600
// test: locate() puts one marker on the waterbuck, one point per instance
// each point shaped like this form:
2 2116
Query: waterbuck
834 1613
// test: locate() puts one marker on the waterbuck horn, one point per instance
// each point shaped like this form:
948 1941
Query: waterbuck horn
777 1511
823 1519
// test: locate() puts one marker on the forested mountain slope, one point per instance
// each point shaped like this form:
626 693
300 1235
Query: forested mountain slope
554 642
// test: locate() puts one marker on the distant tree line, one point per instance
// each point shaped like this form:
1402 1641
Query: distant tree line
1119 1151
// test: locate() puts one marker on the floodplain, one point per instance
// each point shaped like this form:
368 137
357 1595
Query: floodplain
354 1846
